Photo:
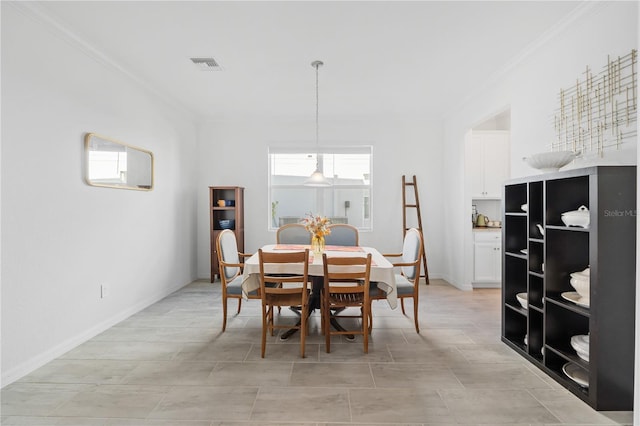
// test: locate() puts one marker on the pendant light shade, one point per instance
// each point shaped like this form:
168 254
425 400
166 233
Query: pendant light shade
317 178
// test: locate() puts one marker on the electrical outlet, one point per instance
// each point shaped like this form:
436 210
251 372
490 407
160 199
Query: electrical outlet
104 291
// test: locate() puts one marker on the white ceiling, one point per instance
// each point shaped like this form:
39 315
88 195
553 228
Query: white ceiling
381 58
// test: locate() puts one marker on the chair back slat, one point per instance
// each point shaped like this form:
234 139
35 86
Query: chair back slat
293 233
342 234
228 254
411 253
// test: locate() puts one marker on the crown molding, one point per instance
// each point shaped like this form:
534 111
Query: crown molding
39 14
586 6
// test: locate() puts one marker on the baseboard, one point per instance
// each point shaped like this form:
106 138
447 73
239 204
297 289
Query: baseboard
38 361
487 285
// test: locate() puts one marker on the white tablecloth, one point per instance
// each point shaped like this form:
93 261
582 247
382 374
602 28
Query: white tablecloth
382 271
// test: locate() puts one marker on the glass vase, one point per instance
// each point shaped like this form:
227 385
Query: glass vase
317 244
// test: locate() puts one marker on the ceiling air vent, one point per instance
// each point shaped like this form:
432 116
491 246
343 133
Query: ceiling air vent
206 64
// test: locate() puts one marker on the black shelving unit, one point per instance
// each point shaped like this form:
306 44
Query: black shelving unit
539 262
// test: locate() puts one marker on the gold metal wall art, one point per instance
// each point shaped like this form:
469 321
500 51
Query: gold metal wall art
114 164
599 112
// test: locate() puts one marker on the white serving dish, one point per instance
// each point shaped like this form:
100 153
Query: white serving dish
580 344
578 217
581 285
522 299
574 297
585 273
577 374
550 161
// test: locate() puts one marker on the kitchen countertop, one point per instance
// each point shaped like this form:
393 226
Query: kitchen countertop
486 229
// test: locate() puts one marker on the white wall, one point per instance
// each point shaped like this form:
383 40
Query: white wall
61 238
530 89
234 152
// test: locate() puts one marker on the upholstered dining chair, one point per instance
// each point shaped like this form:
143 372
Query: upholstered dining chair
342 234
288 289
346 285
231 277
293 233
408 263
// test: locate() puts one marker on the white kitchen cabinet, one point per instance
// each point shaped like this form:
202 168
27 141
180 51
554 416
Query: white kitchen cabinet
487 256
489 163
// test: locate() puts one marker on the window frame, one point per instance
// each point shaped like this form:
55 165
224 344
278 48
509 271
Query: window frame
331 150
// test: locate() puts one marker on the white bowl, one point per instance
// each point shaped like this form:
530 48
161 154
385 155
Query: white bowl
550 161
522 299
581 285
524 207
578 217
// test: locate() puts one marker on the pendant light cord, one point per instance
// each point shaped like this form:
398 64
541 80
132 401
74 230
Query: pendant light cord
317 112
317 65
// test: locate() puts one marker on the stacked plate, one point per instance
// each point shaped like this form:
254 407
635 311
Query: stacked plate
580 343
576 374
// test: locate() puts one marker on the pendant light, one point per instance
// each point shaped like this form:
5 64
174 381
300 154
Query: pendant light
317 178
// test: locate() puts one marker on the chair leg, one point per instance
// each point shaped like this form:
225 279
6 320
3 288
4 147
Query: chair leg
402 305
365 328
271 318
265 316
239 305
224 313
327 328
303 331
415 313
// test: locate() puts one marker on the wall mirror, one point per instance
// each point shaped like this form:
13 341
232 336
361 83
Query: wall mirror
114 164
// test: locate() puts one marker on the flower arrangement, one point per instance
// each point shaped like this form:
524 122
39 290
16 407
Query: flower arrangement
317 225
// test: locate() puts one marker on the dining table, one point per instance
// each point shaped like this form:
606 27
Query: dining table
382 271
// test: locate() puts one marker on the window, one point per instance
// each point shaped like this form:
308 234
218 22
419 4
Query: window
347 200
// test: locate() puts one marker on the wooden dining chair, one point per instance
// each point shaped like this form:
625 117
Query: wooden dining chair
229 259
293 233
409 273
346 285
278 289
342 234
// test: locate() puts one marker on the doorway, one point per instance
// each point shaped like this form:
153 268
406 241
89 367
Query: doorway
487 166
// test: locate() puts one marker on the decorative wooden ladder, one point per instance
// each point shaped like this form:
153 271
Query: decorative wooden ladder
415 206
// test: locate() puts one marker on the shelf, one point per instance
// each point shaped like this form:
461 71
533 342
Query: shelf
556 251
536 308
569 356
558 300
518 255
517 308
567 228
231 194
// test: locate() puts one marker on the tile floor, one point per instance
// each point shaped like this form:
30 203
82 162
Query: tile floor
171 365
